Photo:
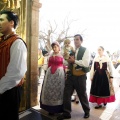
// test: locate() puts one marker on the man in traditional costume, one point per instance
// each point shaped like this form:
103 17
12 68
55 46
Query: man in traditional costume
13 65
76 79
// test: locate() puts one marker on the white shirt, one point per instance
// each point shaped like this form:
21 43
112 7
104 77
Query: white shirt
101 60
85 59
16 68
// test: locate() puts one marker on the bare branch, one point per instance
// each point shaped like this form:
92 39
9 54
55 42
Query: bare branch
41 32
52 34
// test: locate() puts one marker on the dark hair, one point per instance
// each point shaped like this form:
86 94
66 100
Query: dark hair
44 52
101 47
79 36
53 44
11 16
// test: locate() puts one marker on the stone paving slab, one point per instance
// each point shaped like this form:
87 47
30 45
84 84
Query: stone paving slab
32 114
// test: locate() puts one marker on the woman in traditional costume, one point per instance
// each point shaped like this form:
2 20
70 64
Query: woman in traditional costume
51 98
101 75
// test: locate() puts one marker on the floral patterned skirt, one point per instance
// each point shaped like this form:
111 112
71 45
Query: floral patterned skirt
51 98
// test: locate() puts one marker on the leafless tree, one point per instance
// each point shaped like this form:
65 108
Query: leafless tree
54 34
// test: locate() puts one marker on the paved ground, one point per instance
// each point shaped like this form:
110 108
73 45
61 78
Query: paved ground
110 112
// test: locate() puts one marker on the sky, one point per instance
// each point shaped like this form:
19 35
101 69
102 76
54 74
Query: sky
97 20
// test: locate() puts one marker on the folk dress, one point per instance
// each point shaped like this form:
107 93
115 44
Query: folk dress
100 87
51 98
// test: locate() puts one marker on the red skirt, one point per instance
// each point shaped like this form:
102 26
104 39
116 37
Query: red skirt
100 100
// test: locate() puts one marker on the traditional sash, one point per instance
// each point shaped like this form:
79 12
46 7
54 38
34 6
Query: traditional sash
77 72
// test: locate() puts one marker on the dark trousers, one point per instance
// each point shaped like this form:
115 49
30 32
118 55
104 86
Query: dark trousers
39 71
9 104
77 83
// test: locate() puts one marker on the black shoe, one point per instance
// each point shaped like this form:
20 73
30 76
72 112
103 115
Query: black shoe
51 114
98 106
105 104
64 116
87 115
73 100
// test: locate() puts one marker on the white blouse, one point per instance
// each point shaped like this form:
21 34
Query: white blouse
101 60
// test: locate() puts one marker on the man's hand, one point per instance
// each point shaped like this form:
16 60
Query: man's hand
71 59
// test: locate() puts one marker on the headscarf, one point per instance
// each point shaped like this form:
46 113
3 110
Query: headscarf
55 43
